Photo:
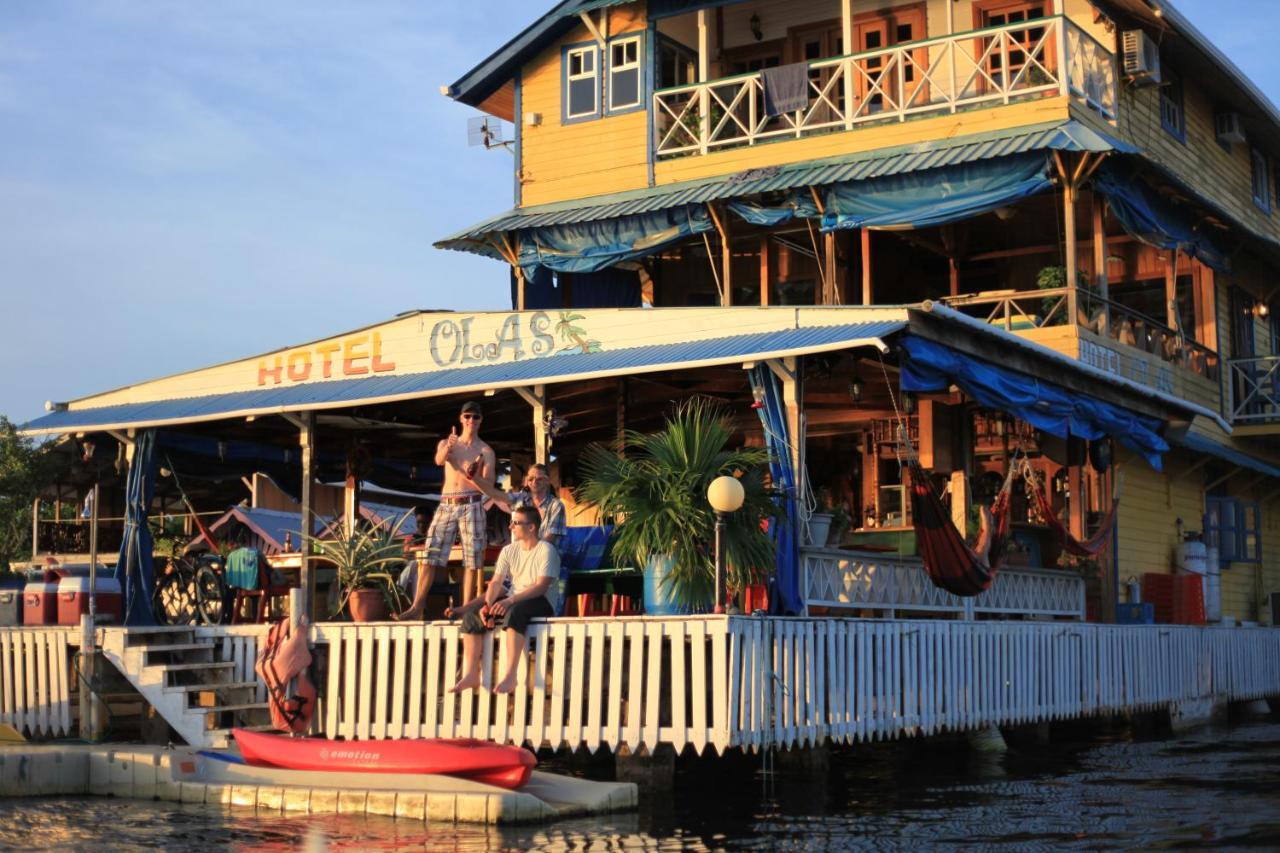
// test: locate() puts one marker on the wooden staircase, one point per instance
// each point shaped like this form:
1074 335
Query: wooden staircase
190 680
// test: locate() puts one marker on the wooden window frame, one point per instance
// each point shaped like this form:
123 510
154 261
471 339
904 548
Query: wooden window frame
1260 179
638 67
1173 110
589 48
982 8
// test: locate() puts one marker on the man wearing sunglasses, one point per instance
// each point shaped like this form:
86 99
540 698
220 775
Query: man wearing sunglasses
532 566
461 511
537 493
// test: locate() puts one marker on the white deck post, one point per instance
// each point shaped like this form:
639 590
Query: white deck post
704 70
306 574
846 34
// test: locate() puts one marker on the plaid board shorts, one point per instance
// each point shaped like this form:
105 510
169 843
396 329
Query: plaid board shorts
450 522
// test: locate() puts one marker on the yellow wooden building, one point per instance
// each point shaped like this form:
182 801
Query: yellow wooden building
656 149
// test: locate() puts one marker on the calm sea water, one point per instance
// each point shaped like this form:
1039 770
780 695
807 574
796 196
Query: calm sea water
1214 788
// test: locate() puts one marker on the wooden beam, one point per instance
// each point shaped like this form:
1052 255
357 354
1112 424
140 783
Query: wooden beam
726 255
764 269
306 572
868 296
1072 244
829 271
1097 210
1171 289
596 32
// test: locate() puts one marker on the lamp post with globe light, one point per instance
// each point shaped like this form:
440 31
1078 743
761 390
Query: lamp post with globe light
725 494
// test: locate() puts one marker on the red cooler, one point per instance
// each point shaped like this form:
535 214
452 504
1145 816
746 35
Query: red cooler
40 602
73 600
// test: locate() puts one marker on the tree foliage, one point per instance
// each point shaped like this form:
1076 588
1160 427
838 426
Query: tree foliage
23 472
655 492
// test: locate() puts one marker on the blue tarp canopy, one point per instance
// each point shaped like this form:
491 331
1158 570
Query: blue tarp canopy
784 592
587 247
935 196
1202 444
931 367
1151 218
134 565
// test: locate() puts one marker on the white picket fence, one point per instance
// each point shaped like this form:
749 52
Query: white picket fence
35 680
755 682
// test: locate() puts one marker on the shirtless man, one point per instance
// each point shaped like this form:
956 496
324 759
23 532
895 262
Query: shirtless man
461 510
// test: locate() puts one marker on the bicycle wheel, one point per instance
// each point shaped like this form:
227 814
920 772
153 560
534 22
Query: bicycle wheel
211 594
174 599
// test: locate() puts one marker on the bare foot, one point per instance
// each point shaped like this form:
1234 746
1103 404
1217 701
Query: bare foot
506 685
467 682
411 615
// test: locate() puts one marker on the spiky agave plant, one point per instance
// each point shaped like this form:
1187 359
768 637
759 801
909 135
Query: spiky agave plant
363 558
655 492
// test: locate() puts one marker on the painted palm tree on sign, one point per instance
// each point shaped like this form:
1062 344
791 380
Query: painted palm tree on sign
575 335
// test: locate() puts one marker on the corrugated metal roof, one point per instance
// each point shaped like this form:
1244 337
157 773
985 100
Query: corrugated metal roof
563 367
1201 444
932 154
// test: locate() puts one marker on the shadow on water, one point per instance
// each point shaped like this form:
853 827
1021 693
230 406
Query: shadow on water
1094 789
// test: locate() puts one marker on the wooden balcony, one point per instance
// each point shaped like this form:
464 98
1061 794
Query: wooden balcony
1107 335
1253 394
1043 57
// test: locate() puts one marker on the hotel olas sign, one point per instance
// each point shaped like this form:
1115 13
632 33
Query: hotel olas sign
431 342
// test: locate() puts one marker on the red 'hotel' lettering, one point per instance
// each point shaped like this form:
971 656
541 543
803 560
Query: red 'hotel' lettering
361 355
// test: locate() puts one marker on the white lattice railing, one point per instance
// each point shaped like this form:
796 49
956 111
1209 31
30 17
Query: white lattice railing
801 681
1253 389
856 580
945 74
35 680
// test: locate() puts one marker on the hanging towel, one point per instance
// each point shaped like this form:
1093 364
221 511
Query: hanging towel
242 568
786 88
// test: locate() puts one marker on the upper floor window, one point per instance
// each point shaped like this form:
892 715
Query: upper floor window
581 83
624 74
1261 179
1233 527
1172 115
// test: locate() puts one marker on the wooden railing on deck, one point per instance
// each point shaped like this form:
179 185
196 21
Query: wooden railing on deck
939 75
1253 389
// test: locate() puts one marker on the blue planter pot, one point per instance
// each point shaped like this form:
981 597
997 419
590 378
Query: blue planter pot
657 593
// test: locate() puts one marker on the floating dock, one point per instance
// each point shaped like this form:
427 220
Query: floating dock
186 775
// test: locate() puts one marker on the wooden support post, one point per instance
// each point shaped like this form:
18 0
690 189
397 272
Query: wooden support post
620 413
306 572
90 729
726 255
868 297
536 397
764 270
1098 211
1171 290
846 48
829 268
953 273
1071 247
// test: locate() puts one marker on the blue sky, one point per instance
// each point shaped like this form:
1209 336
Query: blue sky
185 183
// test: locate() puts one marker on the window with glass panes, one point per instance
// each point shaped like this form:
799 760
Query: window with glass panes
624 74
1261 179
581 83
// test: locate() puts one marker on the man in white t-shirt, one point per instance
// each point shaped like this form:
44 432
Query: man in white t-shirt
533 565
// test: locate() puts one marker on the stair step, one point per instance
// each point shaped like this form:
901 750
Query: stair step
227 732
211 687
249 706
178 647
192 667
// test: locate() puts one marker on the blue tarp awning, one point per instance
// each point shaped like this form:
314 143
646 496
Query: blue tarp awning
1202 444
564 366
1149 217
931 367
588 247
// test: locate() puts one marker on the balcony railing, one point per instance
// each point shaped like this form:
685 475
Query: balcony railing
998 65
1253 390
882 582
1021 310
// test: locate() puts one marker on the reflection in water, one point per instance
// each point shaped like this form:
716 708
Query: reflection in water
1213 788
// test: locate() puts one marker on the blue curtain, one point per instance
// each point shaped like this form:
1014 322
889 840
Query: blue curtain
936 196
784 592
593 246
1149 217
133 568
796 205
611 288
929 366
540 291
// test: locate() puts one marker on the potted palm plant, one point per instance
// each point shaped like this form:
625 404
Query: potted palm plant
365 559
654 490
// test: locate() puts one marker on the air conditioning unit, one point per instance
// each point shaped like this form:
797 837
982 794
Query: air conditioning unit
1228 128
1141 57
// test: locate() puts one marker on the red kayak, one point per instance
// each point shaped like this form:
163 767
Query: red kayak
468 758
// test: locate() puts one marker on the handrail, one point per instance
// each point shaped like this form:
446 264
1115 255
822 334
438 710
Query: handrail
1253 389
937 74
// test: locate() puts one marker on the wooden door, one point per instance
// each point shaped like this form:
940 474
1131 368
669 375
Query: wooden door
813 44
871 82
1026 43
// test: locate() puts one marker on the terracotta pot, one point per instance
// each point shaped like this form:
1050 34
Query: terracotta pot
368 605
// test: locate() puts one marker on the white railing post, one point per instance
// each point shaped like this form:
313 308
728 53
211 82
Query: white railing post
1061 37
846 43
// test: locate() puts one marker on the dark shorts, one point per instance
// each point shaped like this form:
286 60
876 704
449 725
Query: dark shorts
517 618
